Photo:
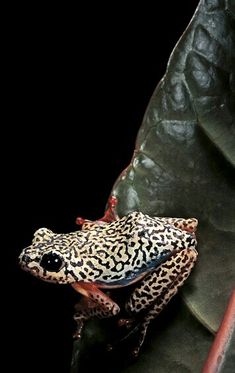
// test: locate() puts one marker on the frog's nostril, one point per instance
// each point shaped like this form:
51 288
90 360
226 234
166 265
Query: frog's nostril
25 259
51 262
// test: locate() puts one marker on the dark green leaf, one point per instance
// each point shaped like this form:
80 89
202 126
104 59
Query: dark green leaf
185 155
176 343
183 165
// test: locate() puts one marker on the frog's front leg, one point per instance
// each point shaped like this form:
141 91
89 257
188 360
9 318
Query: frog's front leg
94 304
157 288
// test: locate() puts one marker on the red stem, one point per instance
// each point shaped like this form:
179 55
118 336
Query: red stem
221 342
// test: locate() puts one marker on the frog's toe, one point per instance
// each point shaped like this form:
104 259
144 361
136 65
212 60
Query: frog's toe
77 335
78 332
109 347
79 327
135 352
125 322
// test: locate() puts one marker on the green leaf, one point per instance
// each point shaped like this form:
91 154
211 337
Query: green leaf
176 343
183 165
184 159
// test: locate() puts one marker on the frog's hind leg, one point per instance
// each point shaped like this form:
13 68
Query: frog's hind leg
157 289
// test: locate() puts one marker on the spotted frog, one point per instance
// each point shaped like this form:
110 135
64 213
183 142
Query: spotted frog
156 253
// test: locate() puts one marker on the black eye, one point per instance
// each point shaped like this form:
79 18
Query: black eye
51 262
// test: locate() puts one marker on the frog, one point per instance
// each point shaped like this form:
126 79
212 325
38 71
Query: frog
154 254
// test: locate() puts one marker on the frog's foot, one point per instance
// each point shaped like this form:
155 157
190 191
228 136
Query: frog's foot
135 337
126 322
80 324
141 333
137 331
110 214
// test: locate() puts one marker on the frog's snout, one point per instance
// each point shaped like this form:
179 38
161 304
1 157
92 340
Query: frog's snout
24 260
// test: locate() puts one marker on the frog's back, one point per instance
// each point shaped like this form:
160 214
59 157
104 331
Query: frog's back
127 248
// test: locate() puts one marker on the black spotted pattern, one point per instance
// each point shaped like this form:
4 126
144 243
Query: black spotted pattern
160 251
111 254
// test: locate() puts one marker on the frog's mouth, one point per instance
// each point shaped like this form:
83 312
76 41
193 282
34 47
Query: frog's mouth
27 264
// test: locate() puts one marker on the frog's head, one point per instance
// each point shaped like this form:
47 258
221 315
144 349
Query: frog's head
48 257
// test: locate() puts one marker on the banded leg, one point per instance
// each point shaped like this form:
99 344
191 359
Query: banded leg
94 304
157 289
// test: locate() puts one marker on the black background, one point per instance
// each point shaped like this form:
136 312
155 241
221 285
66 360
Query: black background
78 83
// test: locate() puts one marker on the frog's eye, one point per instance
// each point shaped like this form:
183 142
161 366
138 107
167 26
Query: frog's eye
51 262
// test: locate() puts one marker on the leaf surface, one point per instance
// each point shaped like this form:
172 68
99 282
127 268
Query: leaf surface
183 164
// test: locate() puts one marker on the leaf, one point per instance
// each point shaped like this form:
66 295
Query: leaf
176 343
183 165
184 159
